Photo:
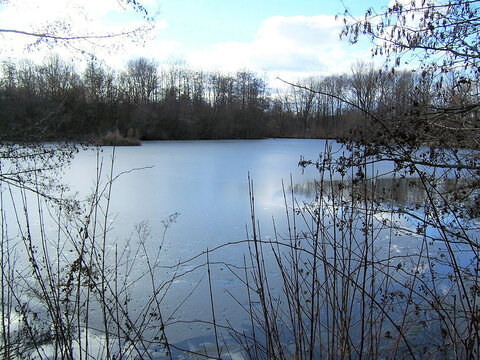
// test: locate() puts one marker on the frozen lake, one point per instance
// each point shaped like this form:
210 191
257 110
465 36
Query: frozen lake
173 200
206 184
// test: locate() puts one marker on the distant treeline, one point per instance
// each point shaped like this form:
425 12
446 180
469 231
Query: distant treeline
54 101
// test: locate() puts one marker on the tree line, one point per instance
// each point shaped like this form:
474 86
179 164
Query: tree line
55 101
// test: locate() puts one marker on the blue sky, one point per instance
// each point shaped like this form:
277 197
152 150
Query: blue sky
292 39
194 22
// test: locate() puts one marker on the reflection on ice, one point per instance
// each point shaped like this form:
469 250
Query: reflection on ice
368 259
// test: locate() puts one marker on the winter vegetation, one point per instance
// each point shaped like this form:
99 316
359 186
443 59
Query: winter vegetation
54 101
346 292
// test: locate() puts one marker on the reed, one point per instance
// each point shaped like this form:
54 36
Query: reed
74 272
354 274
351 286
114 138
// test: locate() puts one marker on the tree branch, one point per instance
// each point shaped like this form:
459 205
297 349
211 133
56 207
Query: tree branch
69 38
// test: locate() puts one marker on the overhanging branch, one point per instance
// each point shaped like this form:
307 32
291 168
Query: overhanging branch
69 38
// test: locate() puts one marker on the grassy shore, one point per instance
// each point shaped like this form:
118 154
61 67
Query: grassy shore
115 138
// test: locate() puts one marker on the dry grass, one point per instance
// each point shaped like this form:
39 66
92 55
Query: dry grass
345 288
114 138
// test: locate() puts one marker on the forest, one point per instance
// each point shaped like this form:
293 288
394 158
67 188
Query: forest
353 274
145 100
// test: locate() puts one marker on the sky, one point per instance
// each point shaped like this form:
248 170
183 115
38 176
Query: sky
289 39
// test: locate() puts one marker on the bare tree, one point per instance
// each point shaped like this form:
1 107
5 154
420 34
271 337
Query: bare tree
60 32
140 80
441 37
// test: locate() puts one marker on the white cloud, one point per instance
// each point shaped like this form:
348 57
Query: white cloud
288 47
230 56
160 50
291 47
296 43
69 17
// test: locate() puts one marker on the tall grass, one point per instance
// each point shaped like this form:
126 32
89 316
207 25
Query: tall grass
57 279
363 277
353 274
